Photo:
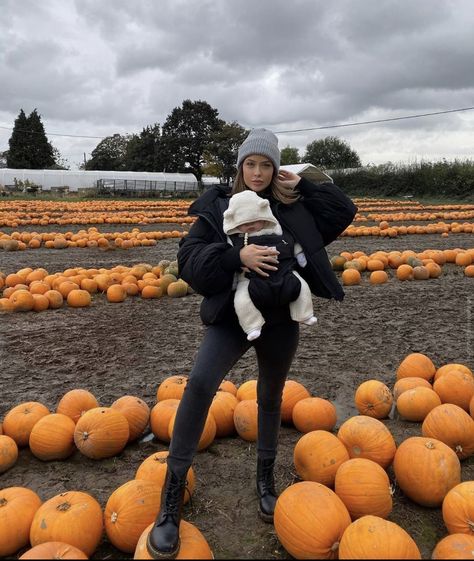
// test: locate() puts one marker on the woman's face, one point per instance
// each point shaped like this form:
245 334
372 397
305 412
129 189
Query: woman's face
257 172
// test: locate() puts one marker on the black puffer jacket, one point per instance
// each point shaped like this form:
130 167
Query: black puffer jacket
208 263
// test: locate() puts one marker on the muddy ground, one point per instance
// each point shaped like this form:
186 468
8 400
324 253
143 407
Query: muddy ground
129 348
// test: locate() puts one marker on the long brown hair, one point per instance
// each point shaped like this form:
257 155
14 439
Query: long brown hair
280 192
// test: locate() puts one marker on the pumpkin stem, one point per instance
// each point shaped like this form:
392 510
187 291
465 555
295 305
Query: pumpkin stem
458 449
3 502
430 445
470 523
63 507
335 546
113 517
85 435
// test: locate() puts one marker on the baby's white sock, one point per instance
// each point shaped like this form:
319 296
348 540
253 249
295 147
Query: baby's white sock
310 321
254 334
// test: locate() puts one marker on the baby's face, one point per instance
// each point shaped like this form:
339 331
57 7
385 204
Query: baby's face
252 227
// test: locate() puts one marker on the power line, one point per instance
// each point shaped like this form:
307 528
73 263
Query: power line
357 123
341 125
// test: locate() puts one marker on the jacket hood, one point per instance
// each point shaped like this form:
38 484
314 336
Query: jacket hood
246 207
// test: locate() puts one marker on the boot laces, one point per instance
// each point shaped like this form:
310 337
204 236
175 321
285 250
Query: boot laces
173 495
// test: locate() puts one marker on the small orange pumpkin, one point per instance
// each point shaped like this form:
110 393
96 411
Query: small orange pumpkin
54 550
314 413
20 420
415 404
247 390
455 387
458 509
75 403
405 384
418 365
208 432
292 393
171 388
136 412
454 546
222 409
101 433
246 419
373 398
160 417
8 452
52 437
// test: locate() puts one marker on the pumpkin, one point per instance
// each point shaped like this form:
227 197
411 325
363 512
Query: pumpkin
373 398
177 289
471 407
364 487
75 403
455 387
420 272
372 537
314 413
41 303
317 456
208 432
228 386
415 404
426 469
171 388
22 301
452 366
18 506
192 543
405 384
310 520
350 277
20 420
154 469
101 433
150 292
378 277
246 419
458 509
418 365
292 393
366 437
52 437
453 426
116 293
129 510
72 517
247 390
222 409
136 412
454 546
54 550
160 417
404 272
78 298
8 452
55 298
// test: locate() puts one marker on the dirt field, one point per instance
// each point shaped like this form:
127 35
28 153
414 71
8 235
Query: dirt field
129 348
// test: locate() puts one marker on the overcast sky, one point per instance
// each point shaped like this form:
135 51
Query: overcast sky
99 67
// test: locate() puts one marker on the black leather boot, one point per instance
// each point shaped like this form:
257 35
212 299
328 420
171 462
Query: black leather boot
266 488
163 539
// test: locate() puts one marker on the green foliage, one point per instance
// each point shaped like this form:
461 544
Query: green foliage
26 186
186 134
109 154
289 156
441 180
143 151
331 153
221 152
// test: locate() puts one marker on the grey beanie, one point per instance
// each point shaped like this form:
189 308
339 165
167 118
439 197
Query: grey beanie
261 142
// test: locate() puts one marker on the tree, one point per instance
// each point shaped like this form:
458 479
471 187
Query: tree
3 159
331 153
29 146
221 152
60 162
289 156
143 151
109 154
186 133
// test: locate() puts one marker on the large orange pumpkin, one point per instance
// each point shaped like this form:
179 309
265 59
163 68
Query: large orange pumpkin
75 403
455 387
373 398
426 469
314 413
228 386
458 509
246 419
8 452
366 437
310 520
292 393
136 412
171 388
154 469
129 510
52 437
317 456
101 433
372 537
418 365
247 390
193 544
54 550
222 409
415 404
160 417
208 432
405 384
452 366
453 426
18 506
364 487
72 517
20 420
454 546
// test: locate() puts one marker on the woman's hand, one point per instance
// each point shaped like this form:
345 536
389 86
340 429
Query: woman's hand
288 178
259 257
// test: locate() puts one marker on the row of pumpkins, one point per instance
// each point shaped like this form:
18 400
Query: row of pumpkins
345 490
36 290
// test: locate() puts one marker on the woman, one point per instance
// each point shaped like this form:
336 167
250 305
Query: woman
313 216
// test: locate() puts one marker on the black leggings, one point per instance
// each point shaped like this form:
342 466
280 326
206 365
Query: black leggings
220 349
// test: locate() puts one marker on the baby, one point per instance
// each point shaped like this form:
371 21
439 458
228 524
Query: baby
249 220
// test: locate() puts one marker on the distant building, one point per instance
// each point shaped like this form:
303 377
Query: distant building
309 172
